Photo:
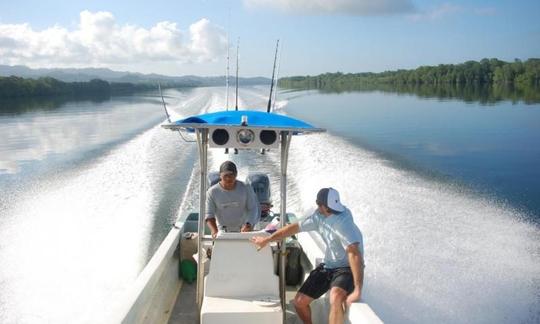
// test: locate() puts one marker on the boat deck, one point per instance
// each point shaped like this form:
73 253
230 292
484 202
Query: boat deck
185 309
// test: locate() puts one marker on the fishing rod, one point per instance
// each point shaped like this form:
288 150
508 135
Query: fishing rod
237 50
163 101
227 83
228 63
273 75
271 86
277 77
169 116
227 77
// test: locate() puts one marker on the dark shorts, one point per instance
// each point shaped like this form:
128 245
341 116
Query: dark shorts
321 280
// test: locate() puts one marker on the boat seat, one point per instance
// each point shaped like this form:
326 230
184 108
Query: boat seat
241 286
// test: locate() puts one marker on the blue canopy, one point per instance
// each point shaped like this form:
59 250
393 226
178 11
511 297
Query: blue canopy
234 118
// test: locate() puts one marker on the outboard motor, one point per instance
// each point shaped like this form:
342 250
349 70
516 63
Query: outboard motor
213 178
261 186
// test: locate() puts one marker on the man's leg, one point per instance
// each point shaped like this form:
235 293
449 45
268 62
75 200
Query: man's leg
315 285
301 303
337 301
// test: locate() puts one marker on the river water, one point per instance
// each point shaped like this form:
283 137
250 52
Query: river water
446 193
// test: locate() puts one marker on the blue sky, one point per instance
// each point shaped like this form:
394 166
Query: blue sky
190 37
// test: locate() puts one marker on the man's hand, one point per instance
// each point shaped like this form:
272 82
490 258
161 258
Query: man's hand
246 227
353 297
259 241
212 225
356 261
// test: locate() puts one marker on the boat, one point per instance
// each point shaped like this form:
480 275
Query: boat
238 284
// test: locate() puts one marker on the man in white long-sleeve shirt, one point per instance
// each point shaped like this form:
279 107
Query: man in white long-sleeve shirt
231 205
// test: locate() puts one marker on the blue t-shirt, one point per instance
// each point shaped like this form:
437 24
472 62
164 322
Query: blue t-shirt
338 231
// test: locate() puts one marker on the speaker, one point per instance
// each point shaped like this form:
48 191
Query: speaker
243 138
220 136
268 137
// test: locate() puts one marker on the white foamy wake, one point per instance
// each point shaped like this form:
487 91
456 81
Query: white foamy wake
74 241
434 252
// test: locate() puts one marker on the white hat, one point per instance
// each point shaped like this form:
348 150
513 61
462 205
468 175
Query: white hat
329 197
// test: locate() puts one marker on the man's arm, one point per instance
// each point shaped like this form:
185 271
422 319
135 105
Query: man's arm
356 261
210 216
289 230
211 222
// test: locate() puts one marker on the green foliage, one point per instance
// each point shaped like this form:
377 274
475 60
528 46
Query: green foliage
16 87
487 71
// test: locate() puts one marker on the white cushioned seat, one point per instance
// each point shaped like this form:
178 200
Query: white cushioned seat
241 286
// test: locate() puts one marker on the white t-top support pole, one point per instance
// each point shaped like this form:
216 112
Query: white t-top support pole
285 142
202 141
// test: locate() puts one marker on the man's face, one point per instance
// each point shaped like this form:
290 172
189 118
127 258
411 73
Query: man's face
227 180
323 209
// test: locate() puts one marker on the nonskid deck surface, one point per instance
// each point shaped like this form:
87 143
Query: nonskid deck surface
185 309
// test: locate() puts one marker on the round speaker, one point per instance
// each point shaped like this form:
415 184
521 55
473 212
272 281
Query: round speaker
268 137
220 136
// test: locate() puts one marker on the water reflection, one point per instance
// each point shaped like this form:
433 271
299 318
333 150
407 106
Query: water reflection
24 105
470 93
33 129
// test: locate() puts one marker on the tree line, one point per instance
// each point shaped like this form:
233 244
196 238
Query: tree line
486 72
17 87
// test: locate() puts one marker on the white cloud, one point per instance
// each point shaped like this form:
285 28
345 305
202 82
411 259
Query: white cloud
100 41
347 7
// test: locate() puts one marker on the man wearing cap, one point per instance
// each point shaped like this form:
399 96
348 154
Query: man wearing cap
343 269
231 205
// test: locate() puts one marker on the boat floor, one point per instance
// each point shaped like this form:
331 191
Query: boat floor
185 310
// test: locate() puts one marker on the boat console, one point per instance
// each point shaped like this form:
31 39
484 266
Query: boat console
241 286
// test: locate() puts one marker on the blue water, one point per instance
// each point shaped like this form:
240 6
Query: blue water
493 149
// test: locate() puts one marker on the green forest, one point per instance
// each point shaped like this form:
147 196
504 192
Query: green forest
489 80
16 87
486 72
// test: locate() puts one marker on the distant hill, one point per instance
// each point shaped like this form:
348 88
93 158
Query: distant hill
87 74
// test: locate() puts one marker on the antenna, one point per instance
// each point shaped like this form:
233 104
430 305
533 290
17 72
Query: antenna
272 83
237 50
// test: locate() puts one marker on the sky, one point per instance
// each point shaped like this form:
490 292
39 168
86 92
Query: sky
316 36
